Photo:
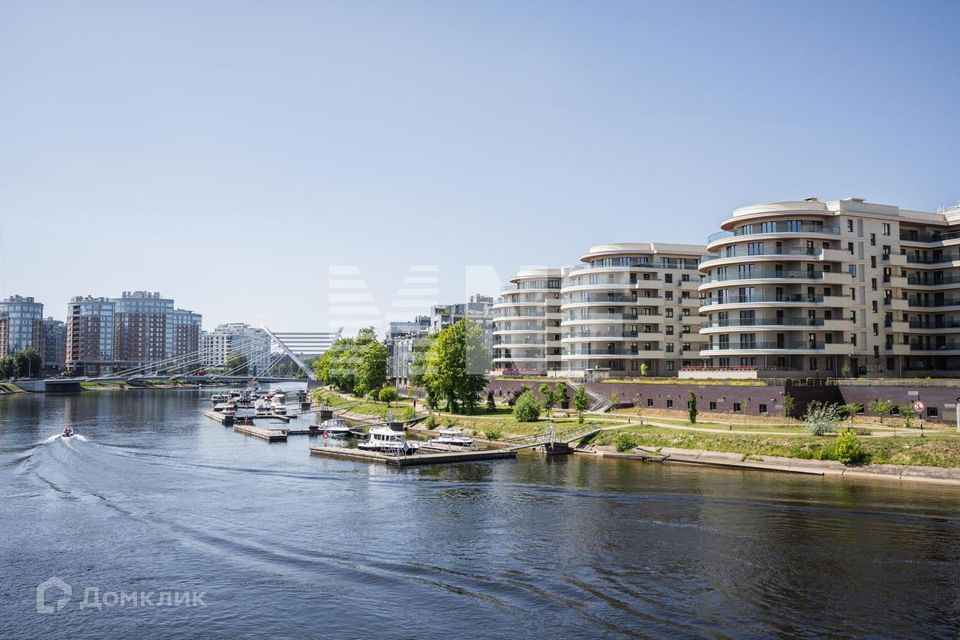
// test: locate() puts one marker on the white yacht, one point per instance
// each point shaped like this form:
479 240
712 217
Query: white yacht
335 427
278 406
453 436
263 407
388 441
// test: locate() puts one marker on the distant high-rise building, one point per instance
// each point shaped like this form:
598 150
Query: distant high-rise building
134 331
54 345
235 338
477 308
21 325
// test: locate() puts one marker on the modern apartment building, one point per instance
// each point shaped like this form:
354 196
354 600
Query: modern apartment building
54 345
21 325
136 330
90 334
235 338
526 324
477 308
631 309
400 341
845 287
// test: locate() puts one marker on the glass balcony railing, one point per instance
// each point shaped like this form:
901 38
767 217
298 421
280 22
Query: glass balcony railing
935 236
799 297
933 324
919 281
938 302
777 344
943 346
763 322
764 275
808 252
934 259
775 227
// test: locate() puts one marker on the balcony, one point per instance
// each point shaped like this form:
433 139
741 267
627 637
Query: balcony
780 274
896 259
937 258
918 280
944 302
764 322
924 325
935 236
775 228
786 298
943 346
777 345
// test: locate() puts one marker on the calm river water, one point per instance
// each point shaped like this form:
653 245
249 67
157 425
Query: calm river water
279 544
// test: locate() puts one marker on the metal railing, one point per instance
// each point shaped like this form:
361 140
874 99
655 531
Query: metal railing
776 227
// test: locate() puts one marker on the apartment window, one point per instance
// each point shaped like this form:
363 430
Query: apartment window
685 277
873 262
736 407
873 239
874 303
768 227
932 412
668 313
853 339
669 401
668 278
685 313
852 270
813 364
850 247
668 295
850 226
829 364
886 228
713 406
762 408
876 351
669 330
670 368
794 226
876 329
873 283
649 402
853 293
686 327
669 347
755 249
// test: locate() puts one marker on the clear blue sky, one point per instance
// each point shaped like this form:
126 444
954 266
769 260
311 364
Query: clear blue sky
227 153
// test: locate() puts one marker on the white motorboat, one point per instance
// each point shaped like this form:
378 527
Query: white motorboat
453 436
262 407
277 406
219 397
335 427
388 441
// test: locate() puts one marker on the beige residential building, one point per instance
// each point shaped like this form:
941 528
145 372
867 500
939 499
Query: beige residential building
526 324
845 287
631 309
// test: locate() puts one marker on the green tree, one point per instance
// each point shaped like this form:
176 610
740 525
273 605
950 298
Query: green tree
236 365
354 365
624 441
453 366
644 369
491 403
547 398
638 405
560 395
789 406
822 418
614 399
526 408
581 402
26 363
849 410
881 407
388 395
7 367
692 407
907 413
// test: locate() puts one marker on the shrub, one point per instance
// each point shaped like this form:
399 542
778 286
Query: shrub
526 409
692 407
789 406
388 395
907 413
431 422
881 407
624 441
614 399
491 403
492 434
847 448
821 418
449 422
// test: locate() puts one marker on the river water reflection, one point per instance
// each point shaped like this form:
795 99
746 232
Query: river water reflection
282 544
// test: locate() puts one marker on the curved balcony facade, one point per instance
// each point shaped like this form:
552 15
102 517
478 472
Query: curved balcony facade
526 324
772 289
630 309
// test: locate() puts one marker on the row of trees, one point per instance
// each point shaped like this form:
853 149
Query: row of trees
354 365
526 408
22 364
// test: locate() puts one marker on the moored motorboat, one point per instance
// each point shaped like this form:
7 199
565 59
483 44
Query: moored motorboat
335 427
263 407
277 406
67 432
453 436
388 441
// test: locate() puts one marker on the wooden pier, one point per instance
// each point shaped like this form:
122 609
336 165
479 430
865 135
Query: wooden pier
452 457
270 435
222 418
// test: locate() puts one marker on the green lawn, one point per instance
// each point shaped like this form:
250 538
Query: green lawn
938 449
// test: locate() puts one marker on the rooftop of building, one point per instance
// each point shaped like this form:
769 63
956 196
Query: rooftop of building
666 249
851 206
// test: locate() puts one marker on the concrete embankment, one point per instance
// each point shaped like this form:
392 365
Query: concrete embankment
822 468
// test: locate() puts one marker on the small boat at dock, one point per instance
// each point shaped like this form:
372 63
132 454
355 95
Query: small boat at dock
335 427
453 436
388 441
